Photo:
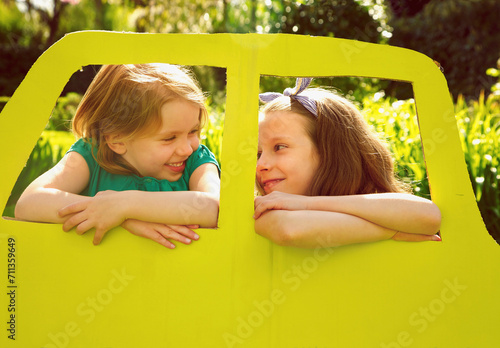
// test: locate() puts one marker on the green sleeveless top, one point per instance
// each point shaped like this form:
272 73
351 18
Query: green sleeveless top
101 180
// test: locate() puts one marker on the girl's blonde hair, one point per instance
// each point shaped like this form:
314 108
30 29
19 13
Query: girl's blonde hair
352 159
126 100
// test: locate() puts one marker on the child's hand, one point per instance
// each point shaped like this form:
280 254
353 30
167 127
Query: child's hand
411 237
103 212
161 233
279 201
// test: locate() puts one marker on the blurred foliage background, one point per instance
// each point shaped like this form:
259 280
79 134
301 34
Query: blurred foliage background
462 35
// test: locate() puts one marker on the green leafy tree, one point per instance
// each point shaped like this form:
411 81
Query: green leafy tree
462 35
21 43
343 19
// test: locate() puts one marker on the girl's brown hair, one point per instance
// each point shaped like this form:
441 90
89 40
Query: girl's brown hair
126 100
353 160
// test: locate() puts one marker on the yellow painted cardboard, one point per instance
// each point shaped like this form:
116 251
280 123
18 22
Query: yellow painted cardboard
234 288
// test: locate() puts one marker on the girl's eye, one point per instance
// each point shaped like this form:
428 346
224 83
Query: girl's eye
279 147
168 139
194 131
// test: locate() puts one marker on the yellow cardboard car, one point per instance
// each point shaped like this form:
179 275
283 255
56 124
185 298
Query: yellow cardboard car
235 288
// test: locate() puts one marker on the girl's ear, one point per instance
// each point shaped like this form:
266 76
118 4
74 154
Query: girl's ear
114 143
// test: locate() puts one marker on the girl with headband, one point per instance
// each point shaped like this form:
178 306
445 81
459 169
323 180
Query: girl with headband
326 180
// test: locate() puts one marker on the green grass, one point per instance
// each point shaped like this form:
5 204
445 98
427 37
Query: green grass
50 148
211 134
479 127
395 122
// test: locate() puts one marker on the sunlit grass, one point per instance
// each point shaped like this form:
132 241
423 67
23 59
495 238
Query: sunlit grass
479 127
395 122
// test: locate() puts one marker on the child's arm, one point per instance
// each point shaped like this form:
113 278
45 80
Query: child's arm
53 190
312 228
109 209
399 212
58 188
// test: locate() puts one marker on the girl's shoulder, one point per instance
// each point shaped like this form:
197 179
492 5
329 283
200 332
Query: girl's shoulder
201 156
85 149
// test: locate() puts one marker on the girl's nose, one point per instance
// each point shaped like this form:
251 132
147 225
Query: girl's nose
184 149
262 163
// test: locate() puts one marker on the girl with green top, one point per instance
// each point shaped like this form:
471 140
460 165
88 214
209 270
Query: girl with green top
138 162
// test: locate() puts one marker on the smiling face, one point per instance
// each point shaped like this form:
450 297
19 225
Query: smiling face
162 154
287 157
